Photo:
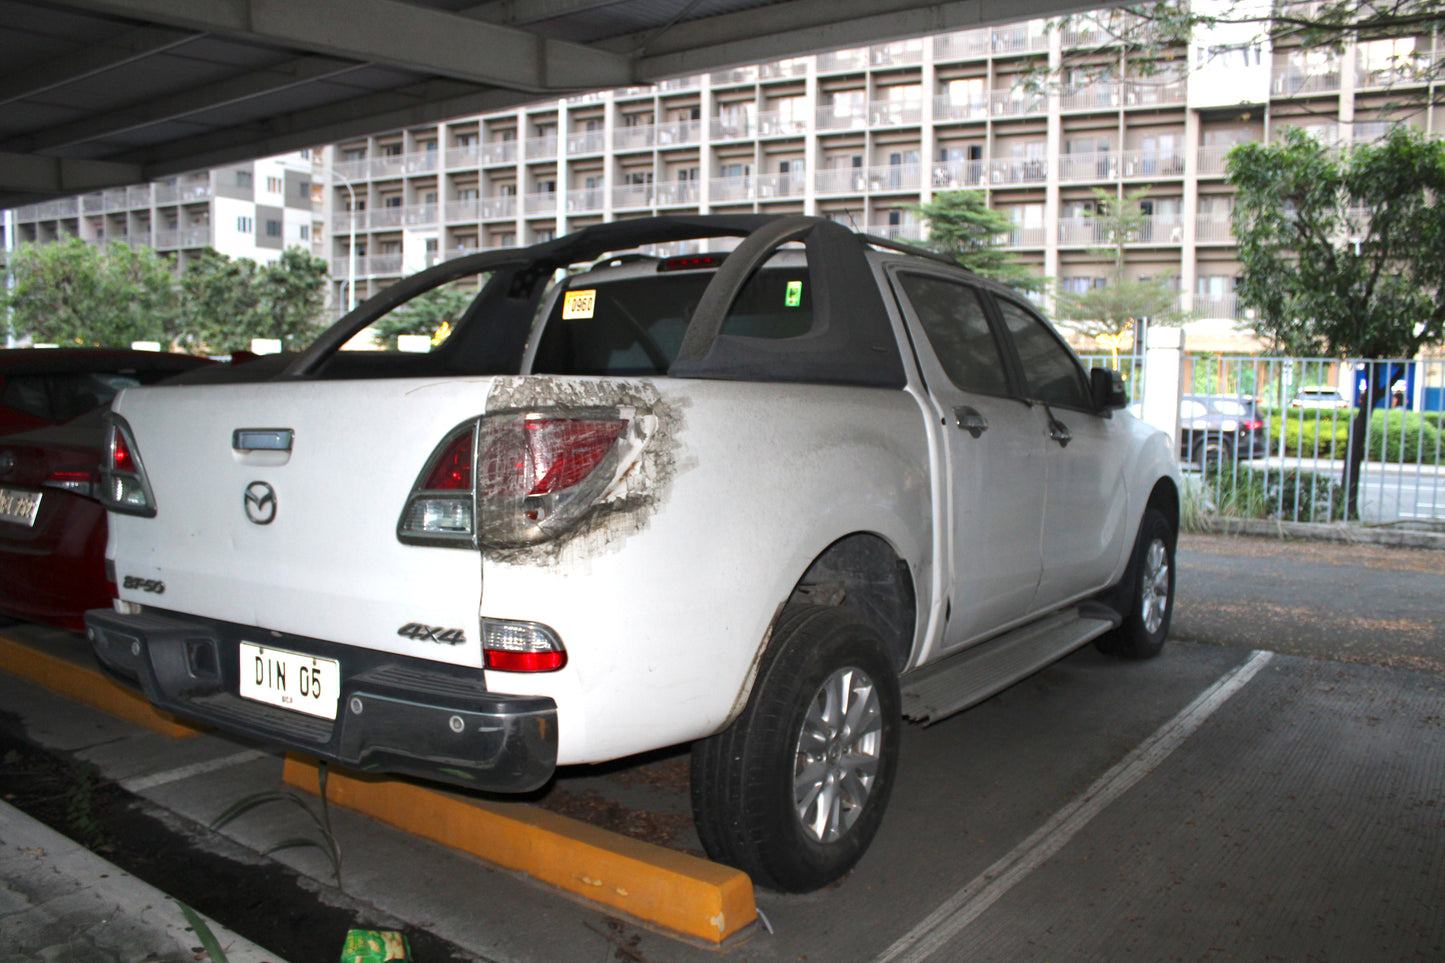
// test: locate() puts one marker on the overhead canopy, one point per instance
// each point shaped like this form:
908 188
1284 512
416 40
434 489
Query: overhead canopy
96 93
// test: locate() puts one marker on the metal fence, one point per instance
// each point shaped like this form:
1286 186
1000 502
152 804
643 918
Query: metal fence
1314 439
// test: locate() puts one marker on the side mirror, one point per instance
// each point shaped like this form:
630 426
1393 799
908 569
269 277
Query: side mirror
1106 389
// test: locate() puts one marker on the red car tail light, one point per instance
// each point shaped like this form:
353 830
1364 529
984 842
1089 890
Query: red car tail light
521 647
79 482
123 486
517 478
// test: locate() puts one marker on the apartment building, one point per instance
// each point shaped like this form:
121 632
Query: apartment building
254 210
862 135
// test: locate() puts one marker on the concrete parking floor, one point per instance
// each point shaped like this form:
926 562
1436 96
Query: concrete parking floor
1223 801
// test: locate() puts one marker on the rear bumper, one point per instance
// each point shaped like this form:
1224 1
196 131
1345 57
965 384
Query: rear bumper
395 714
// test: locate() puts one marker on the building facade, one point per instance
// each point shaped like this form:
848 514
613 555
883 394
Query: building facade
254 210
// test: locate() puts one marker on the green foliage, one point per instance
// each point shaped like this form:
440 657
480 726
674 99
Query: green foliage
73 293
1123 300
962 225
1343 253
1291 495
226 302
425 314
1396 437
80 816
203 932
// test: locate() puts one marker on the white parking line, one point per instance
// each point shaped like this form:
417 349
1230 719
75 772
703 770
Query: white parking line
969 903
142 783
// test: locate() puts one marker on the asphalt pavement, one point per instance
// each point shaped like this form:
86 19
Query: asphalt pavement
1270 788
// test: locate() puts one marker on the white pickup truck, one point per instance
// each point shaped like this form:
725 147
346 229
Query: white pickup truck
770 503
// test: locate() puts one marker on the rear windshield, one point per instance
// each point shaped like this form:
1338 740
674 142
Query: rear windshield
635 326
60 397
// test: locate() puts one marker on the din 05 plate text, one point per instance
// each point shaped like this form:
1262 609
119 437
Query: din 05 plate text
290 680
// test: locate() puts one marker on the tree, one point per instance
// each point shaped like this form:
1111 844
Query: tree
962 225
431 313
1343 253
227 302
1115 307
1151 32
73 293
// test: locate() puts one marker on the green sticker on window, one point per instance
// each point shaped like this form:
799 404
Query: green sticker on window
794 296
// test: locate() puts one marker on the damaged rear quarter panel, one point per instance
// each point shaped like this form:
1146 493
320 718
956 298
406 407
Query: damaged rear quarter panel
663 604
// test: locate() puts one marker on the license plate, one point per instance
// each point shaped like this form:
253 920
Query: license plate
290 680
18 506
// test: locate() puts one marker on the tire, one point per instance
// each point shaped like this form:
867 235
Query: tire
1212 454
1149 597
792 793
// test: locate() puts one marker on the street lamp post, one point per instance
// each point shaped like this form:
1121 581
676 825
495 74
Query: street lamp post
351 251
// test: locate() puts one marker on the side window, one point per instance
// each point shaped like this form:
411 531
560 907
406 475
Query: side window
956 325
1053 375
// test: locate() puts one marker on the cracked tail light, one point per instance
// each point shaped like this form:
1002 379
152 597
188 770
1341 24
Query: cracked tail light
123 486
517 478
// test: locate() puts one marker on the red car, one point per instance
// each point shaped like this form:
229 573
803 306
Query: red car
52 530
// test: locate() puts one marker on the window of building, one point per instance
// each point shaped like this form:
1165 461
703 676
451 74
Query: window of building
245 225
244 179
273 228
275 185
305 232
390 150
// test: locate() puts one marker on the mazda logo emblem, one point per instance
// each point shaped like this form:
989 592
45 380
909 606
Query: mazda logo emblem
260 503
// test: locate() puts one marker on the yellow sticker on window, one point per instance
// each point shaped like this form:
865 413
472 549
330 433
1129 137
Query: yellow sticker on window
579 305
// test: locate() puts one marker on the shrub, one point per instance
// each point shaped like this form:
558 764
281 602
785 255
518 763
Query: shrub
1406 437
1395 436
1291 496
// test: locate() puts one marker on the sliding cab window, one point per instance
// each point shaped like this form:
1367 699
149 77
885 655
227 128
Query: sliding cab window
955 322
1053 375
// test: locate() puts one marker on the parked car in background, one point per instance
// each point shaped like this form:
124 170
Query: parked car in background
47 386
52 528
1318 396
1215 428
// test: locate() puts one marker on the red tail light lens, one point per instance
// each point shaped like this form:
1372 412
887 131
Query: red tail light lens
563 452
123 485
79 482
521 647
1251 425
452 470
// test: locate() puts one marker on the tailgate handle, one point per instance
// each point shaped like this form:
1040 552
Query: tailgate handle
262 439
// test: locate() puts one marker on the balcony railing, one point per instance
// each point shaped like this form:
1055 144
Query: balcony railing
910 231
349 170
632 196
1152 163
1016 102
586 142
843 60
1102 165
585 199
1217 306
174 238
677 193
499 152
384 217
894 113
1018 171
500 208
419 214
841 117
464 156
781 185
1212 161
962 44
540 202
390 165
1296 82
895 177
634 138
678 132
724 189
794 67
467 209
899 54
959 174
541 148
840 180
946 108
777 123
1213 228
421 161
733 127
1024 237
739 75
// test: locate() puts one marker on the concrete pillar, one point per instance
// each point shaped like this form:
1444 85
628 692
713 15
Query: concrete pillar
1163 380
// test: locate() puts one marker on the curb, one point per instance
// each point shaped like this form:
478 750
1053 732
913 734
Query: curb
88 686
1324 532
672 890
78 894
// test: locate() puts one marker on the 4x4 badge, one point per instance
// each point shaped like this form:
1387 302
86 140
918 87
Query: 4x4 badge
260 503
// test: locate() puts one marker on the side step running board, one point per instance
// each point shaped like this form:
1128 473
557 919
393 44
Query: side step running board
937 691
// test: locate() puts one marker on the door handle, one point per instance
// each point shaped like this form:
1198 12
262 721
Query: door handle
1059 432
970 420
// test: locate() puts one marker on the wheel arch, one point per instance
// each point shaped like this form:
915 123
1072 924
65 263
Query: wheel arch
864 573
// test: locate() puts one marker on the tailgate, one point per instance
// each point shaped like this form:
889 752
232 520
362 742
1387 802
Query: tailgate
322 558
